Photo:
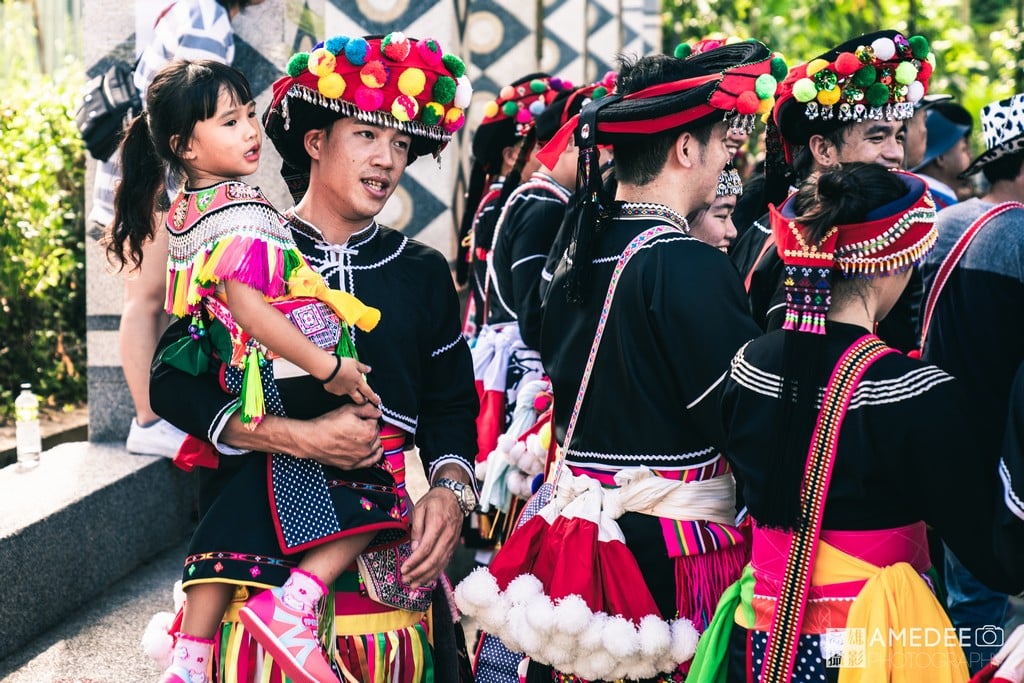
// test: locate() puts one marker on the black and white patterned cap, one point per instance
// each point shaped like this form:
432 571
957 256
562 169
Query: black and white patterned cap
1002 127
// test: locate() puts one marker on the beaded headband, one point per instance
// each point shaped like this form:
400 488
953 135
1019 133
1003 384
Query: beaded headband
729 182
894 238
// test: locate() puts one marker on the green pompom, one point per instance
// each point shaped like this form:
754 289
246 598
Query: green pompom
919 46
779 69
765 86
509 108
456 67
444 90
682 51
537 86
906 73
599 92
865 76
431 116
297 64
804 90
877 95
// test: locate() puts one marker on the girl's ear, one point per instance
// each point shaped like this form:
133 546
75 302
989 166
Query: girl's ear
182 151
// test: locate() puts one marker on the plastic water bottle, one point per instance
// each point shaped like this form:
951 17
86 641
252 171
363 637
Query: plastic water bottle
30 443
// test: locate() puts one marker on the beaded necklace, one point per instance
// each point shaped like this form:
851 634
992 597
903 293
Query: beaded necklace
658 210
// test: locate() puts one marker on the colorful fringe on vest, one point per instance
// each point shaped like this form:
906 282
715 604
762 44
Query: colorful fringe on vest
231 232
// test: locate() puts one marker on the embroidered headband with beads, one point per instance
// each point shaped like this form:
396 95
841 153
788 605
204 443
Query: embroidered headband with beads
729 182
894 238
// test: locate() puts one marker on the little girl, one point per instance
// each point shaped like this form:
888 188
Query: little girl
256 304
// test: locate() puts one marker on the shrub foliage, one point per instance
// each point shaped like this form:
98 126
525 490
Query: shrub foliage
42 233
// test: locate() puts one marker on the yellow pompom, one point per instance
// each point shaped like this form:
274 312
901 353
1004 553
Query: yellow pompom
766 105
815 65
332 85
412 82
544 435
490 109
321 62
828 97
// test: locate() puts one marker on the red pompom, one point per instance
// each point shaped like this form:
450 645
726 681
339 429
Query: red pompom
925 72
846 64
747 102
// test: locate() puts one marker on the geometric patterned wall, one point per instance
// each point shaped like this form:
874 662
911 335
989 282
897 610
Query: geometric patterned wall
500 40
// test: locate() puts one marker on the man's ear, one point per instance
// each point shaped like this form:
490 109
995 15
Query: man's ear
312 141
686 150
823 150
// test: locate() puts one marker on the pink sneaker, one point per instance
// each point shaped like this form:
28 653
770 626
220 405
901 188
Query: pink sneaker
289 636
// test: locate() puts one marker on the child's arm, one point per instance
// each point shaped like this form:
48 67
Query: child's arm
271 328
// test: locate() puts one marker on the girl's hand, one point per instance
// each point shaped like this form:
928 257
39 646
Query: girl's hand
350 380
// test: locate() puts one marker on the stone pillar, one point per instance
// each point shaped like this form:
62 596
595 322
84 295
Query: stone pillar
500 40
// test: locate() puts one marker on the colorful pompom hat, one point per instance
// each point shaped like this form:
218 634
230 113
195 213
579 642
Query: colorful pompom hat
879 76
394 81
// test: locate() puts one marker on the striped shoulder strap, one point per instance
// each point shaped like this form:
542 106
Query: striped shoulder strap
784 633
627 254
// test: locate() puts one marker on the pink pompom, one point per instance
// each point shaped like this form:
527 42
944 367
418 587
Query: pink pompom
369 99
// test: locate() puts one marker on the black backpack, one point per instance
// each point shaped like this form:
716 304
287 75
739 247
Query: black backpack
110 101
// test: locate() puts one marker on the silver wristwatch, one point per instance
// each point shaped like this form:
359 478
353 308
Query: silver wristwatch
463 493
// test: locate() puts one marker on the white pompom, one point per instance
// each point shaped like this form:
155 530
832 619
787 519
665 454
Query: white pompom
477 591
655 637
591 636
572 615
463 93
915 91
157 641
480 469
884 49
620 638
516 483
684 640
530 640
523 588
561 649
600 665
541 613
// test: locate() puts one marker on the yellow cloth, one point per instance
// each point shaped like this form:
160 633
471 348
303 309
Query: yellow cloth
907 637
304 281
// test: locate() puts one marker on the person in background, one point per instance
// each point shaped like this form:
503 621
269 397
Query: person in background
185 29
948 152
497 146
713 225
972 325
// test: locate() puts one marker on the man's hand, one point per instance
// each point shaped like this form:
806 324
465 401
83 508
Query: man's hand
347 437
436 528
